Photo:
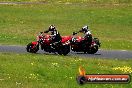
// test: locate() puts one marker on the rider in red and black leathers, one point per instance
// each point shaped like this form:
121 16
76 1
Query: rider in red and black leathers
55 35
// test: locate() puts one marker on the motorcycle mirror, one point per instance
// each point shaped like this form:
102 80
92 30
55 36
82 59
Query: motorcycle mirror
74 33
41 32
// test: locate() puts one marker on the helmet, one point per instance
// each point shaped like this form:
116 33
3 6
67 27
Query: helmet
84 29
51 28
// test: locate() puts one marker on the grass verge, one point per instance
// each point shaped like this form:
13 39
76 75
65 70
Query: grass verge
54 71
20 24
72 1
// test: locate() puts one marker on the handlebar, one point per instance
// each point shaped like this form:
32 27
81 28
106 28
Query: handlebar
74 33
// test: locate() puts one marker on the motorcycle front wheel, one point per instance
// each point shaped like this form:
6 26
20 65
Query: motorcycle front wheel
32 48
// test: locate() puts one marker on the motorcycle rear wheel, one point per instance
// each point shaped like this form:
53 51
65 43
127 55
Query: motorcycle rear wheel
64 50
93 50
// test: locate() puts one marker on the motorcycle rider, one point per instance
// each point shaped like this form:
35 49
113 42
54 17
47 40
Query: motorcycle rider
87 35
55 35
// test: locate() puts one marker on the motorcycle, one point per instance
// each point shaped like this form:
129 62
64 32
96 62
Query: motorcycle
79 44
44 42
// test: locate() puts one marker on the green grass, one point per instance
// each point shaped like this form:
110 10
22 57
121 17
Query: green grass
109 20
19 24
54 71
73 1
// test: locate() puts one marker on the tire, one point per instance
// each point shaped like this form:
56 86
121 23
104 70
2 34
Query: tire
93 49
96 40
60 51
32 50
64 50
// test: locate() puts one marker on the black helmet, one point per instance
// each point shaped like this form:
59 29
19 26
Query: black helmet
84 29
51 28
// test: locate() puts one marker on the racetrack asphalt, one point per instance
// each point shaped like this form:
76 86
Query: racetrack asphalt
112 54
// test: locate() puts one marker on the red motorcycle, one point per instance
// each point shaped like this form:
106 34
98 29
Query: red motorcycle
44 41
79 44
